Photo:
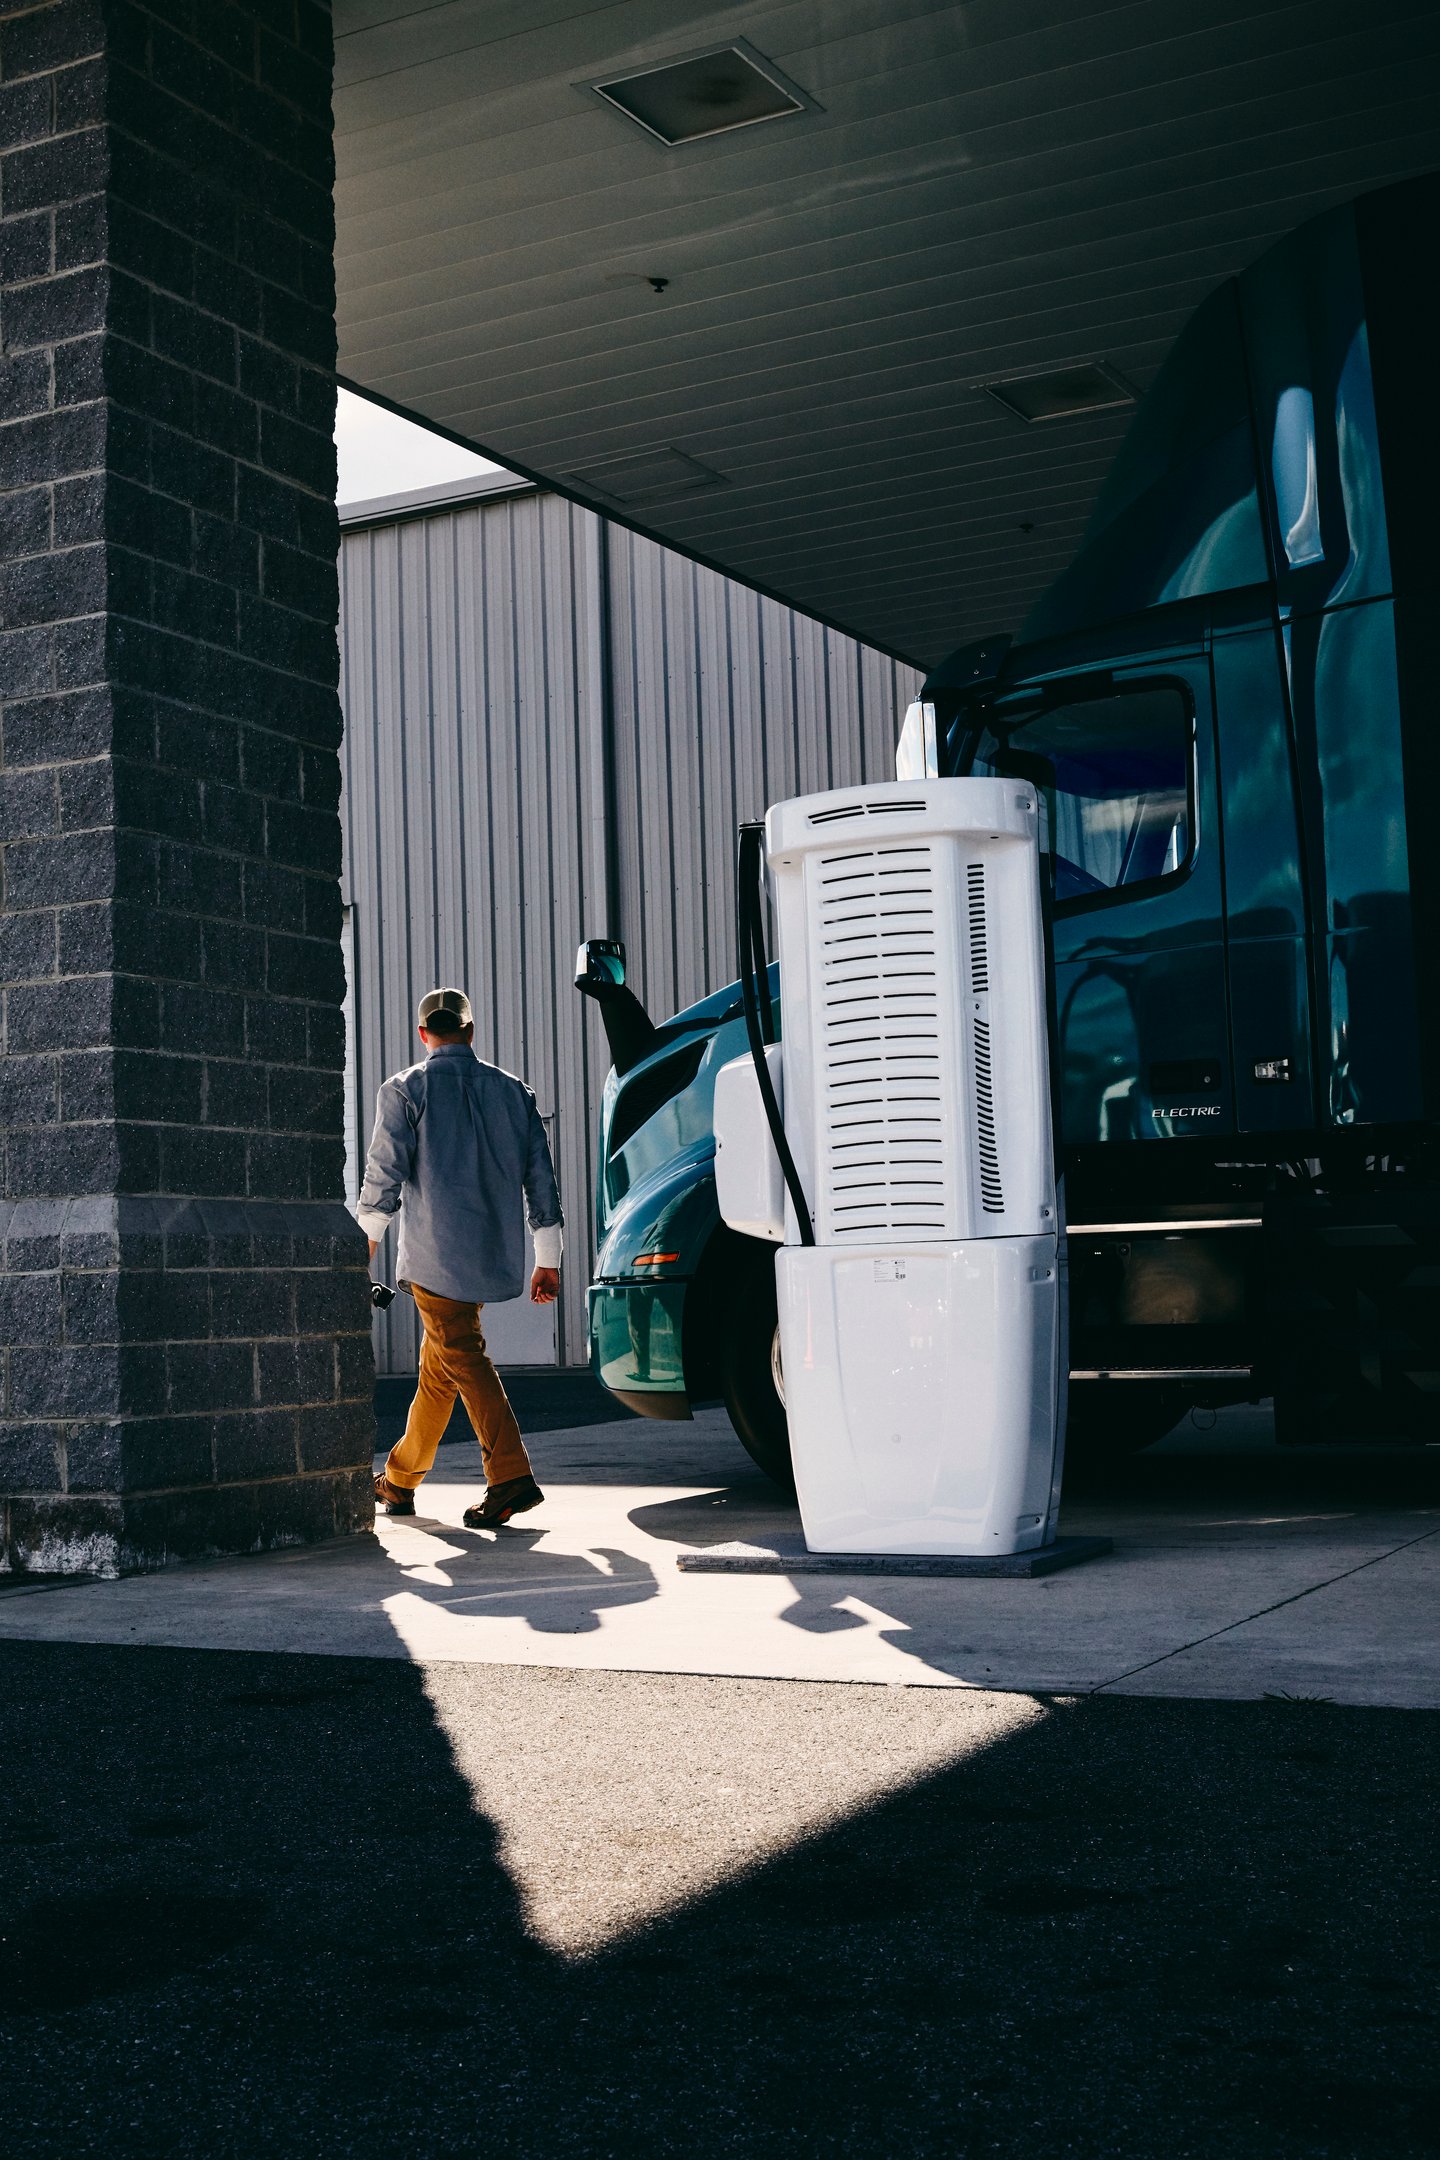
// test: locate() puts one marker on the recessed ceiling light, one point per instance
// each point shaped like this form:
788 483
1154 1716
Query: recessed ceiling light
707 94
646 475
1085 388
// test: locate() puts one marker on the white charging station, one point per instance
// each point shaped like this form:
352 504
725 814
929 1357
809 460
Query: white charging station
921 1331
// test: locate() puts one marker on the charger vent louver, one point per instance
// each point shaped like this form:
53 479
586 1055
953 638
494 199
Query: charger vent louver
853 810
979 943
889 1144
992 1191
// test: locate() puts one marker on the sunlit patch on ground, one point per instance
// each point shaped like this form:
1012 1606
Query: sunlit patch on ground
618 1799
592 1584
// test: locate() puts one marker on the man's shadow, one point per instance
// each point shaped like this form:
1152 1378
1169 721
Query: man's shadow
509 1574
748 1514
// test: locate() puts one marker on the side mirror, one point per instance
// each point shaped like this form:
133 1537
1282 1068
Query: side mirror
600 966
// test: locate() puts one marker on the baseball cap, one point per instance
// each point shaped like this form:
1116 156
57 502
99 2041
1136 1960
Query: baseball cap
452 1003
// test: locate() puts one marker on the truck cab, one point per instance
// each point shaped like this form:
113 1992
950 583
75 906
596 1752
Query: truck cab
1225 707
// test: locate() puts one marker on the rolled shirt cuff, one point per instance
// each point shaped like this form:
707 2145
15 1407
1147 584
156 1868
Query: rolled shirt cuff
372 1222
549 1244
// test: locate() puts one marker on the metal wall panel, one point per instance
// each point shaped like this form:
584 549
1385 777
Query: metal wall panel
478 843
723 702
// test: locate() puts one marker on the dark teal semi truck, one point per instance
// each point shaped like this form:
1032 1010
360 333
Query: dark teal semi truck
1228 704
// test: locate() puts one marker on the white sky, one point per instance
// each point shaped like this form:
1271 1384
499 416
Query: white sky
381 454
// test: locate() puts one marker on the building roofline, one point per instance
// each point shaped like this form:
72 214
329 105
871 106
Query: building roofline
520 481
444 495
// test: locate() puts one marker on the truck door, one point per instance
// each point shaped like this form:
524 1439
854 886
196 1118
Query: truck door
1270 999
1126 769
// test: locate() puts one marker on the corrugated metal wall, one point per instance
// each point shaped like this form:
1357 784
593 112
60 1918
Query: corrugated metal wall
724 702
477 704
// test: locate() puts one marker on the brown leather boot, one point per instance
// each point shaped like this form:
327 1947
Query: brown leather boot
393 1498
502 1501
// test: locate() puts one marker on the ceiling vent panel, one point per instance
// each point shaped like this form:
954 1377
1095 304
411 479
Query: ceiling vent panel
708 94
643 476
1063 393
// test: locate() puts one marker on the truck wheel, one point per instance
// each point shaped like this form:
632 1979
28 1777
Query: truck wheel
750 1378
1109 1420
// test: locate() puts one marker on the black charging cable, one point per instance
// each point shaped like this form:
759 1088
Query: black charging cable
755 997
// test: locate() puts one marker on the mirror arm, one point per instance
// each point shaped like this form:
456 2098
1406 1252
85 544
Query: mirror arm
629 1030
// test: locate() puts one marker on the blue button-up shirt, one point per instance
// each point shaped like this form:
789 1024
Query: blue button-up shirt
457 1143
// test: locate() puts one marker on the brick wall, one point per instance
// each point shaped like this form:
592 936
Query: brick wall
186 1360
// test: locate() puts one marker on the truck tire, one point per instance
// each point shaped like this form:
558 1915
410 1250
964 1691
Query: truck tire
1108 1421
749 1368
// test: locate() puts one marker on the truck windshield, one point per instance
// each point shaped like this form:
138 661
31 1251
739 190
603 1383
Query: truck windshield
1113 773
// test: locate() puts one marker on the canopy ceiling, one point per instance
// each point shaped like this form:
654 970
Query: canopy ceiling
968 193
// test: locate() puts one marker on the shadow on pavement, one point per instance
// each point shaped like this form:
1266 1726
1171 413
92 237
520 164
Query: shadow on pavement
560 1593
249 1908
1214 1498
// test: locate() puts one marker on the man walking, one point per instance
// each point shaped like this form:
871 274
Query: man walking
456 1144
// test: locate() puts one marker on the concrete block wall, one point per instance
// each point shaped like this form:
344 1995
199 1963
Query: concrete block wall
184 1339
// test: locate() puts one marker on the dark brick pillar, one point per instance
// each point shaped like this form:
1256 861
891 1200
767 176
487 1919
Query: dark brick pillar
183 1315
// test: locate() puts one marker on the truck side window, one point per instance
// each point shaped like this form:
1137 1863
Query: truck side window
1114 775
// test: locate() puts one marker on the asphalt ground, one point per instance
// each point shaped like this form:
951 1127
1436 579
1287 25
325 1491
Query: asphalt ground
287 1905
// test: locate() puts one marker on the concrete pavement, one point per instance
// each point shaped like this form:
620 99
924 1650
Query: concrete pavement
1239 1570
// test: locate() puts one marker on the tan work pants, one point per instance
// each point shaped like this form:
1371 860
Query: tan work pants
454 1361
